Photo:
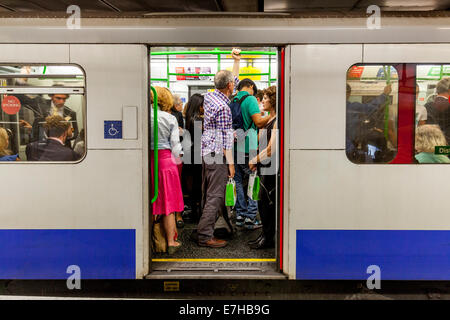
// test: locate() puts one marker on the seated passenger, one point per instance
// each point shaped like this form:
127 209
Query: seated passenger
58 130
5 153
170 196
428 137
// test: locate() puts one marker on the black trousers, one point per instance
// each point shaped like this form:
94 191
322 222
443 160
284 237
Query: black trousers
266 205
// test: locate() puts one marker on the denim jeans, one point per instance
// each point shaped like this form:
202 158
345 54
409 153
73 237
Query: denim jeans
245 207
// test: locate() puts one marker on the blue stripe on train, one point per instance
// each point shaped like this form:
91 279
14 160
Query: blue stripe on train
46 254
346 254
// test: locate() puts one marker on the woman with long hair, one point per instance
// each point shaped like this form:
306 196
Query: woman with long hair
170 196
193 173
265 163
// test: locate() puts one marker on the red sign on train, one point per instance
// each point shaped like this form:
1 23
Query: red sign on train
11 105
355 72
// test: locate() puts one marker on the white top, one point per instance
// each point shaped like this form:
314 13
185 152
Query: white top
168 133
421 113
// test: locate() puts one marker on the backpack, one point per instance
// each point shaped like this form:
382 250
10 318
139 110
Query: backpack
236 112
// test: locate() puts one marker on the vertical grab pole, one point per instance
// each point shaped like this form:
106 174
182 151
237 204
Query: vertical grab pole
155 144
387 74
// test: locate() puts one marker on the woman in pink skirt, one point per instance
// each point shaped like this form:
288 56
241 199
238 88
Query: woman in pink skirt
170 196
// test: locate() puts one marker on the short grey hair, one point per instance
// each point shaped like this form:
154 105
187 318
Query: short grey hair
443 86
176 99
223 78
429 136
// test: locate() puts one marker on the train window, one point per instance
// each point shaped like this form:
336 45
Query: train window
371 113
42 113
432 114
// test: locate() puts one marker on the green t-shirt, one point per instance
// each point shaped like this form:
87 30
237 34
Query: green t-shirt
249 107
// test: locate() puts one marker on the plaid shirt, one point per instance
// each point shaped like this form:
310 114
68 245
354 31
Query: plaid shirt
218 132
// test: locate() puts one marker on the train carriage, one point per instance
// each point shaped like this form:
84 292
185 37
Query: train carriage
336 218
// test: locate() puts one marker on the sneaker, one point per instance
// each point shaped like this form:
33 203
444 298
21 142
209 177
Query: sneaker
252 224
240 221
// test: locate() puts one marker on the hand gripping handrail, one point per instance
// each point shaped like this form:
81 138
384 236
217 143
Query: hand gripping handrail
155 144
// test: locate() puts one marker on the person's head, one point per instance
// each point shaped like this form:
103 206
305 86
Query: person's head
57 127
165 99
417 91
270 99
4 143
348 91
224 82
429 136
259 96
177 103
59 99
247 85
194 105
443 87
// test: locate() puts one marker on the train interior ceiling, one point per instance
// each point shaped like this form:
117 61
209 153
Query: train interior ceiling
186 71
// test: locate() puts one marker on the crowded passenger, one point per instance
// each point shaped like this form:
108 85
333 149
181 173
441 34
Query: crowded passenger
170 196
259 97
176 112
438 111
5 153
216 149
265 163
421 111
56 106
246 121
58 130
365 127
80 146
192 171
427 138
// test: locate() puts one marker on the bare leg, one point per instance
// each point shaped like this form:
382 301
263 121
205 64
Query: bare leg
169 228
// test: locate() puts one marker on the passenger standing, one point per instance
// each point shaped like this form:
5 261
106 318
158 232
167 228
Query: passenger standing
170 196
5 153
176 112
265 161
217 144
421 111
246 209
193 171
439 109
56 106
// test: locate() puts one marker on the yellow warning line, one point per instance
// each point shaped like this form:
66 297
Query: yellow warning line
214 260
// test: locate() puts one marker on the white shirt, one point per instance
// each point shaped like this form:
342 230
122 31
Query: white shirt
168 133
55 110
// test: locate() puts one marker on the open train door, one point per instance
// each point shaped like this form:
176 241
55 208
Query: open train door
183 71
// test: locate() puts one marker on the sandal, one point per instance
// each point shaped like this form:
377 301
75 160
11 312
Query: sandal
172 249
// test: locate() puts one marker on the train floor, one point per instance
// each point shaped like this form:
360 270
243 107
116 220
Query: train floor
236 248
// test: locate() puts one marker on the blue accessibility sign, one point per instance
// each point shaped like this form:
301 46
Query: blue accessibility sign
113 129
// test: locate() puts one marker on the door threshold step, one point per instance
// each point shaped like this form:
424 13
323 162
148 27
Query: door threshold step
192 274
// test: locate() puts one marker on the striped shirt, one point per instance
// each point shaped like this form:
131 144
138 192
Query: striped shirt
218 132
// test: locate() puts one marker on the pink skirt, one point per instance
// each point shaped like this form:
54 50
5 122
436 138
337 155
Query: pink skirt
170 195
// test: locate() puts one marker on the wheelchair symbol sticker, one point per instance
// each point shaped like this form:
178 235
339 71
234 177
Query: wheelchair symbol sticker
113 129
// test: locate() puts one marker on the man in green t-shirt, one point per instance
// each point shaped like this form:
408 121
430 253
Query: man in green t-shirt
246 209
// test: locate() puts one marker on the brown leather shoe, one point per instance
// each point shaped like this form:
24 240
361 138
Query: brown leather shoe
213 243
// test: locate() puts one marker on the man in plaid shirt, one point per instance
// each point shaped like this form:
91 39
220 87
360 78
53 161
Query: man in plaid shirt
217 144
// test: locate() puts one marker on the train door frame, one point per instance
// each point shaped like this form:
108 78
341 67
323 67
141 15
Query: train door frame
281 219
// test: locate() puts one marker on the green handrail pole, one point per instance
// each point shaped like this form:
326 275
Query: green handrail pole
218 62
168 76
155 143
441 72
261 53
387 74
270 71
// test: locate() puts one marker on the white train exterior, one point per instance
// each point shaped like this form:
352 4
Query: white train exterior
338 217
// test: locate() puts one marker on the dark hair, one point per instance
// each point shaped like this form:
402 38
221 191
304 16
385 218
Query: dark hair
193 109
247 83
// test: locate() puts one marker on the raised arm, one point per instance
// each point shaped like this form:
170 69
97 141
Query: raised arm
236 54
